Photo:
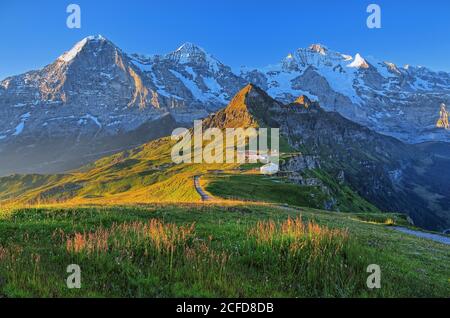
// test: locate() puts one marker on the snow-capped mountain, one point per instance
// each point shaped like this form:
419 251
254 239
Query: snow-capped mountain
95 95
95 98
398 101
190 79
94 84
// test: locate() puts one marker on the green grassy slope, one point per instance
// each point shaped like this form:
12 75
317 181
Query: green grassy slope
256 187
265 189
226 253
147 174
15 185
143 174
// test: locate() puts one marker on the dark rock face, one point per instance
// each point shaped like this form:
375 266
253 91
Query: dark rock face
303 162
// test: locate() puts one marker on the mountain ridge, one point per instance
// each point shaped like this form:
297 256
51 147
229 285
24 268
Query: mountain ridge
95 91
379 95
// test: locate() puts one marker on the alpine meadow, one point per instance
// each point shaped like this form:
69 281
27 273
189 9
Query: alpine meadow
175 175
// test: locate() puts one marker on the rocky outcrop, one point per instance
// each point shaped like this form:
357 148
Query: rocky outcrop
301 163
95 94
443 118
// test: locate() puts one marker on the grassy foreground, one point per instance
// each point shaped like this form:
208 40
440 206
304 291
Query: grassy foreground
214 251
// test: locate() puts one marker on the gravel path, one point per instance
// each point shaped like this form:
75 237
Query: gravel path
430 236
198 187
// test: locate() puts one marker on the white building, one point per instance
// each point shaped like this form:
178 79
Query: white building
270 168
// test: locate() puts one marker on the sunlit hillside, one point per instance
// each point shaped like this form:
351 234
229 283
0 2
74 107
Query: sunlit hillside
235 251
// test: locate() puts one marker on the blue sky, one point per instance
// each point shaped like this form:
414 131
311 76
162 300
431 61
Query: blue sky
238 32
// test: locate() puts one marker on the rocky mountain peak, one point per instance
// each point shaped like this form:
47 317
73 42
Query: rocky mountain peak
188 47
317 55
304 105
289 63
318 48
93 44
359 62
393 67
235 115
303 100
250 107
188 53
94 71
443 118
239 101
